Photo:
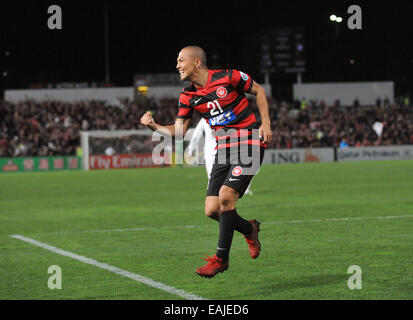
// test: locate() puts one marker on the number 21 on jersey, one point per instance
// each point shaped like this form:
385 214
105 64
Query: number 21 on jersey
213 105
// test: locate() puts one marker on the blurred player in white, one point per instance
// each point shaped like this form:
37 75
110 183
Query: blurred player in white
203 129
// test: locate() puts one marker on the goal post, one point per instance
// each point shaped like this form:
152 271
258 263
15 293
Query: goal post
118 149
111 149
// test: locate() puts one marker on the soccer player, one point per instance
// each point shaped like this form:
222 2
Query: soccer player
219 95
203 129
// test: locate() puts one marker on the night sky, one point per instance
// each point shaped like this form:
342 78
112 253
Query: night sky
146 36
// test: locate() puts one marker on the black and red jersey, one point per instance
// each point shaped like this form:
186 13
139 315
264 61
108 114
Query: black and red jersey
221 102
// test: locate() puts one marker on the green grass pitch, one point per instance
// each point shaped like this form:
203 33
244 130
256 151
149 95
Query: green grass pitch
317 221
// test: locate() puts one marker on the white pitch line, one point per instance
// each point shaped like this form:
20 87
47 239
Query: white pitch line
338 219
201 226
124 273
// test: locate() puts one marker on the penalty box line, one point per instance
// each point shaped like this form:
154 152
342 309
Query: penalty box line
105 266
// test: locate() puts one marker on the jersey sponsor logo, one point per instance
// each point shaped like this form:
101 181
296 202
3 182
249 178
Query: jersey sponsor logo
197 100
237 171
243 76
221 92
222 119
231 179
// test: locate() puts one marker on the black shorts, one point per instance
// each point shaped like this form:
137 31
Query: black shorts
234 173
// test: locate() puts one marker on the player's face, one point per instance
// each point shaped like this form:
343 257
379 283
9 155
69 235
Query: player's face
186 65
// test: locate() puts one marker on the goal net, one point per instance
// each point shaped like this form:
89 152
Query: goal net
121 149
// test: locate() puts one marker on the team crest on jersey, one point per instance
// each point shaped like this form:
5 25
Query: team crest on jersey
237 171
221 92
243 76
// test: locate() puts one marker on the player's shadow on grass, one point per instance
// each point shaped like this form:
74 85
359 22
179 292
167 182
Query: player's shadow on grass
305 282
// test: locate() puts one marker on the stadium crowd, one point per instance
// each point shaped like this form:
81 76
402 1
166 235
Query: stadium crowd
48 128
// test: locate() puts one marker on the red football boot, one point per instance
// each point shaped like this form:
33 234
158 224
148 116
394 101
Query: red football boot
252 240
215 265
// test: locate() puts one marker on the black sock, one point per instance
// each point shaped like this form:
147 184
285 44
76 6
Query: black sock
242 225
228 222
226 232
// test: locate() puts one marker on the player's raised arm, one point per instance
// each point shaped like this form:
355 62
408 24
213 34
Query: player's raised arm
180 127
262 103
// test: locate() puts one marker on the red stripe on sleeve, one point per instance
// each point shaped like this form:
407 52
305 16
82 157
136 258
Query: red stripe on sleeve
236 78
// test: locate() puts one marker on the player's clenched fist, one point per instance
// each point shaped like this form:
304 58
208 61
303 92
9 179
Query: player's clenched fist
265 133
147 120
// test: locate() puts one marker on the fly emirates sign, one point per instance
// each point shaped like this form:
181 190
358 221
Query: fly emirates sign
122 161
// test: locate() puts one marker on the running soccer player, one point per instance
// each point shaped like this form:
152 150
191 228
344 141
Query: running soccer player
203 129
219 95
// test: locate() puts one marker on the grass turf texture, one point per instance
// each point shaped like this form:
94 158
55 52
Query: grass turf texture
305 259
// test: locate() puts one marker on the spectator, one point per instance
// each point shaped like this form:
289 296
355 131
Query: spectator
49 128
343 143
